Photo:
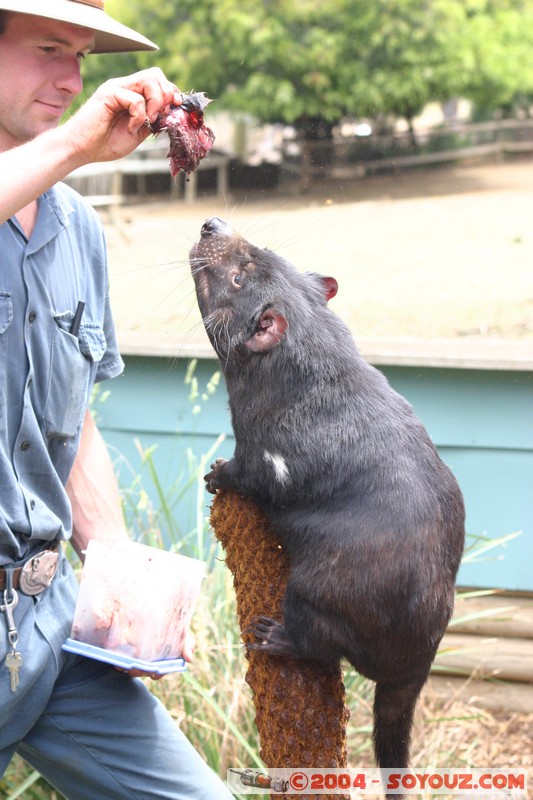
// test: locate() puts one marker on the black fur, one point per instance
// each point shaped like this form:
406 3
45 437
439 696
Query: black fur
371 518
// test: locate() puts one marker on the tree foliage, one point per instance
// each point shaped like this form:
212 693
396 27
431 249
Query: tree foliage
500 38
311 62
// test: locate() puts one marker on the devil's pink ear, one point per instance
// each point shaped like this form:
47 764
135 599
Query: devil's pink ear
331 287
271 327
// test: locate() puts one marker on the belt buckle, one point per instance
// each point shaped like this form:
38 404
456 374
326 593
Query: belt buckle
38 573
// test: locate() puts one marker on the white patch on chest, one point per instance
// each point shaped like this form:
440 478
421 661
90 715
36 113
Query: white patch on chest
280 468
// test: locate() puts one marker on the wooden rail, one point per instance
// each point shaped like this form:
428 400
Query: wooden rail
478 354
348 171
108 177
348 158
486 656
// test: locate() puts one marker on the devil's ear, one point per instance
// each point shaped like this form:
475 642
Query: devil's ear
330 286
270 330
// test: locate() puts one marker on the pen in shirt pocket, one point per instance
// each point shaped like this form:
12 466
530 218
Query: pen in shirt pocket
75 327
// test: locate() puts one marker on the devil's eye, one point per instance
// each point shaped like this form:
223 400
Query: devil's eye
237 279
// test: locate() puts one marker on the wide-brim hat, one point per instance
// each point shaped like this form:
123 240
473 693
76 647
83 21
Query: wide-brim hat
110 36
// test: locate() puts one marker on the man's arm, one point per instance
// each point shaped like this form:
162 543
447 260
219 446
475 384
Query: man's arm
93 491
108 126
96 508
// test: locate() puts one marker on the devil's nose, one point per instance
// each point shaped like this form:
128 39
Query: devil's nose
215 225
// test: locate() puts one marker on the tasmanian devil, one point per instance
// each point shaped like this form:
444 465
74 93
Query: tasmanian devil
371 518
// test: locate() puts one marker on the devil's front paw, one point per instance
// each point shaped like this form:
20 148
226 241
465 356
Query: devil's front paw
212 479
272 638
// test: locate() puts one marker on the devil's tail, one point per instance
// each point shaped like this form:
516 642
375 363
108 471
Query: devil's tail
394 706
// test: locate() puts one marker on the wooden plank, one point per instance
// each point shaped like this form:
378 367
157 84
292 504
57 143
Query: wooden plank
501 354
418 160
494 615
132 165
506 658
142 166
493 695
449 353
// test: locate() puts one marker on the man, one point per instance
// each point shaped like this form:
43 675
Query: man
92 731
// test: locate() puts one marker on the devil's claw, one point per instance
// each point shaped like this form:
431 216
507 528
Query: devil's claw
211 479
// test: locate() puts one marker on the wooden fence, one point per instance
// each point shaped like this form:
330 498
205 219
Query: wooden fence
104 183
341 158
357 156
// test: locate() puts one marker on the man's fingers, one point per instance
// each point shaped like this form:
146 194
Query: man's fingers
158 92
140 673
189 646
126 100
111 124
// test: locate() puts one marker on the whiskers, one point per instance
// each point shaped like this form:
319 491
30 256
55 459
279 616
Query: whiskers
197 265
152 270
217 327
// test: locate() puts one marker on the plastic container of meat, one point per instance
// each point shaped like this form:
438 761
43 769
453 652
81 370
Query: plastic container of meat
135 605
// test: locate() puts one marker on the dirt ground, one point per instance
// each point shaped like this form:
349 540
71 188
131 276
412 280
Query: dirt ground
441 252
461 737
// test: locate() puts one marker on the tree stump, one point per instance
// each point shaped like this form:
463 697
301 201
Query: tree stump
301 714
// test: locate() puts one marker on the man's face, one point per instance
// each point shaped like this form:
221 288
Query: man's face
39 74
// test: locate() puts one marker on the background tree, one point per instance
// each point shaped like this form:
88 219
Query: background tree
311 62
500 40
415 53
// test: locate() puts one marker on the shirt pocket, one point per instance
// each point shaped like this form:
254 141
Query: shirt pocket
6 315
73 364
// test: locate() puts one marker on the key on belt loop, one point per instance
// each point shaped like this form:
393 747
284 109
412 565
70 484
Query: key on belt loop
11 599
9 590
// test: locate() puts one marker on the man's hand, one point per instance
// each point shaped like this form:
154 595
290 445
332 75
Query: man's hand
111 124
187 654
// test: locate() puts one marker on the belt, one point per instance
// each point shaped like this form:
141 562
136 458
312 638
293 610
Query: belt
36 574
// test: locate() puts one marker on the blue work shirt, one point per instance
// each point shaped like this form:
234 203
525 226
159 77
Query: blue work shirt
46 373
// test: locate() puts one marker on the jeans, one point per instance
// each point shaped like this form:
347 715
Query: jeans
94 733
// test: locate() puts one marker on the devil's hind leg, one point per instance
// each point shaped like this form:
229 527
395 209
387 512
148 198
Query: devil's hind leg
272 638
306 631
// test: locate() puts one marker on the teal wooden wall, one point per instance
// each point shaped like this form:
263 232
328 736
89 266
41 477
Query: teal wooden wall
480 420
